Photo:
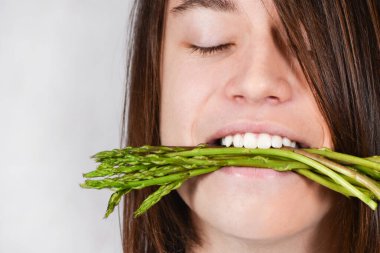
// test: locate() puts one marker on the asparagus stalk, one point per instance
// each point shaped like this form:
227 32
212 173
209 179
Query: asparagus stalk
134 168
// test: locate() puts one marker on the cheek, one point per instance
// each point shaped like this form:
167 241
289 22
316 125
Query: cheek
185 91
175 115
315 122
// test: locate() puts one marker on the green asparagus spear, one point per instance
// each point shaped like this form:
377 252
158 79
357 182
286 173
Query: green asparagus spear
134 168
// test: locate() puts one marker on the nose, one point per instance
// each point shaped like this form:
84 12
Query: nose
262 74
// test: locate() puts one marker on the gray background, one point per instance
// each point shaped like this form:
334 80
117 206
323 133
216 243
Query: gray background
62 70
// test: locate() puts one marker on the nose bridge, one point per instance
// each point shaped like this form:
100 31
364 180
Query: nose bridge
262 74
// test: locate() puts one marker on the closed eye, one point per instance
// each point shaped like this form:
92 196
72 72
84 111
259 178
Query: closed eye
204 51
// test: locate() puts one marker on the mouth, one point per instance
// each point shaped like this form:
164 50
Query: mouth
256 135
243 134
255 140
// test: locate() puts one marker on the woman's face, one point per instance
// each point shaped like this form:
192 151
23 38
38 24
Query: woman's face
226 72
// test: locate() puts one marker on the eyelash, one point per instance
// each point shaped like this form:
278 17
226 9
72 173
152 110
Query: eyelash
204 51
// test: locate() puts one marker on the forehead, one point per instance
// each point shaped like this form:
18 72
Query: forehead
181 6
238 7
247 9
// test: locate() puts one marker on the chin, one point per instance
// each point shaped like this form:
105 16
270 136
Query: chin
258 205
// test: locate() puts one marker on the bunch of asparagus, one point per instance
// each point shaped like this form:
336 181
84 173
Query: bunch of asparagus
134 168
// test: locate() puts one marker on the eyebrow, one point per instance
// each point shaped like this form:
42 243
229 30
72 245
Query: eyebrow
217 5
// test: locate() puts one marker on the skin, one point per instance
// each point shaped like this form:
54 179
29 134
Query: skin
254 85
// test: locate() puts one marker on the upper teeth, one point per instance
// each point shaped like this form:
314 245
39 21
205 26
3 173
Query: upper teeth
251 140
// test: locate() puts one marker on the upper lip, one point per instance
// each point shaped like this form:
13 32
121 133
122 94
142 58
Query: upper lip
257 127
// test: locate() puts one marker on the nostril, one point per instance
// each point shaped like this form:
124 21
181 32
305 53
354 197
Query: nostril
273 99
239 98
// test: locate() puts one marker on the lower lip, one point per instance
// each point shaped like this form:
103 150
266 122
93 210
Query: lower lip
250 172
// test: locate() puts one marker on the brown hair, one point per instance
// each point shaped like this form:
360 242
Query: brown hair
343 70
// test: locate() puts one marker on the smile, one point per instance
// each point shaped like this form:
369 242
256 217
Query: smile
256 140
